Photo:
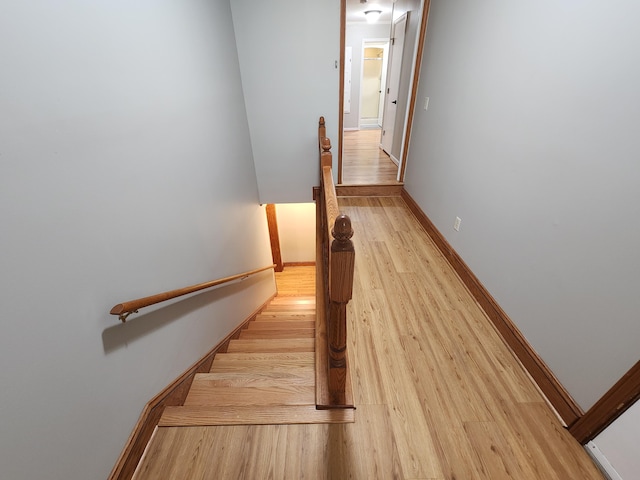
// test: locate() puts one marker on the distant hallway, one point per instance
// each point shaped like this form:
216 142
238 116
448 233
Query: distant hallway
364 162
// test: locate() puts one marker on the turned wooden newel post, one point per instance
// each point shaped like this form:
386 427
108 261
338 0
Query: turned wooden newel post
340 290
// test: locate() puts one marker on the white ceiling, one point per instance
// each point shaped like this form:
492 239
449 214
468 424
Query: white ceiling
355 10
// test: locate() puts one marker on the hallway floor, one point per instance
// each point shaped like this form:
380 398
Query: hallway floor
364 162
438 394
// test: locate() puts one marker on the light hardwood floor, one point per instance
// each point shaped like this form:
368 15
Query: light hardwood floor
438 394
363 162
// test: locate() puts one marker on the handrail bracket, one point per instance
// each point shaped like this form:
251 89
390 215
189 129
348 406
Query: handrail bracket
123 316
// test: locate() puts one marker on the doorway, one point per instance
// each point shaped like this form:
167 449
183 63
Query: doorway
373 83
409 18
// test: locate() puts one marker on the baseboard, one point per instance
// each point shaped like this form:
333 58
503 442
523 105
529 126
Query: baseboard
350 129
380 190
394 160
299 264
557 395
173 395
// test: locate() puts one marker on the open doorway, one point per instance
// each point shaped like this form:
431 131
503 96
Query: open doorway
373 147
375 57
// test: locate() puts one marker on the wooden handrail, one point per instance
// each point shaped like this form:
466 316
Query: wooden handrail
123 310
336 261
330 199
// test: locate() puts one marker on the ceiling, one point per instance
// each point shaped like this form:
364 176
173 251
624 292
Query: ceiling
355 10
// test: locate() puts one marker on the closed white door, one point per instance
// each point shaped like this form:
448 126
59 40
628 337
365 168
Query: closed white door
393 82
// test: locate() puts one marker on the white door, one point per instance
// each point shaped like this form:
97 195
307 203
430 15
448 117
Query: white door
393 82
383 82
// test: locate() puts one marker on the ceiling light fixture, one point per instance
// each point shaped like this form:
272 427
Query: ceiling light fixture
372 15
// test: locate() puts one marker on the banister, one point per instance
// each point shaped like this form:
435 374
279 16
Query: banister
330 198
123 310
335 264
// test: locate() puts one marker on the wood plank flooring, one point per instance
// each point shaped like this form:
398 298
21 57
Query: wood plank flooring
438 394
296 281
364 162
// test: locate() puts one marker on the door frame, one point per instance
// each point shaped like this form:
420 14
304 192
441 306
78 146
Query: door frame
413 89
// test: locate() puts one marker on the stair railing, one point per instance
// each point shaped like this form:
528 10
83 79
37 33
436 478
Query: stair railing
123 310
335 257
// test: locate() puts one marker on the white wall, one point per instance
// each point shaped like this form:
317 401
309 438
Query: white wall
531 138
619 443
355 33
125 170
287 51
297 231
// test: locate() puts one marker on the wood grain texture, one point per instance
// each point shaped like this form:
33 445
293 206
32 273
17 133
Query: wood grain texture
289 283
330 199
439 395
199 415
364 162
564 404
133 305
174 394
272 346
373 190
614 403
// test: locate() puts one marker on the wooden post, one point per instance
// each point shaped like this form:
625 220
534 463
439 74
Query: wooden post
340 290
274 237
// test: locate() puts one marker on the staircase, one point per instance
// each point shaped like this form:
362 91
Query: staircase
266 376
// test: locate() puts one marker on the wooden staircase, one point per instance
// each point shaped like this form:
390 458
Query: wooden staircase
266 375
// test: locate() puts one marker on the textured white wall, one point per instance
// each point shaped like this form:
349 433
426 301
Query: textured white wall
125 170
287 51
531 138
297 231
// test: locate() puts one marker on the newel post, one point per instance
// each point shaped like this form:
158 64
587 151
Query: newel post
340 290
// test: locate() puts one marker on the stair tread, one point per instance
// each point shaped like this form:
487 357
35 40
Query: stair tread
292 376
237 415
294 298
277 333
281 317
251 345
303 358
275 324
289 308
203 394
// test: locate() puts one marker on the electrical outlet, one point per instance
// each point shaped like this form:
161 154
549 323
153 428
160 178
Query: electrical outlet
426 103
456 224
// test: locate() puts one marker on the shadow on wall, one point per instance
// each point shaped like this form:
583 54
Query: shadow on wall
141 325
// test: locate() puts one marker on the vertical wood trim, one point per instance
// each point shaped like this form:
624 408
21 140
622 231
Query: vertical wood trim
612 404
414 89
343 24
173 395
564 404
274 237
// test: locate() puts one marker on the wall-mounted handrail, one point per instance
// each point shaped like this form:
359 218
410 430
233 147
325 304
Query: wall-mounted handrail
123 310
336 256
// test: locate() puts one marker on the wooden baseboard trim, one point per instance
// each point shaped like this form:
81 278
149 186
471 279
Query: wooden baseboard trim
557 395
612 404
380 190
299 264
173 395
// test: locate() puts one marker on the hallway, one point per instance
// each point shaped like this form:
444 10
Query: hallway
438 394
363 162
